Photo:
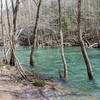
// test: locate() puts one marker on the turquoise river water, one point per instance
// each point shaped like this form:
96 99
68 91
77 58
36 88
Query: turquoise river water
48 62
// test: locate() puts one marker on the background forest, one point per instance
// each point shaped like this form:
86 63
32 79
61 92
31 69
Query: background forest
47 30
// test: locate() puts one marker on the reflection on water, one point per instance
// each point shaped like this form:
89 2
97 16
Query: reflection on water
48 61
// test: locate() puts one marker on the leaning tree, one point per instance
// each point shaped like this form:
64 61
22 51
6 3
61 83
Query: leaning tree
34 33
82 45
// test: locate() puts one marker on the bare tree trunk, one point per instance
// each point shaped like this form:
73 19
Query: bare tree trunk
14 10
34 34
98 23
99 29
2 31
62 47
97 33
8 21
83 48
2 21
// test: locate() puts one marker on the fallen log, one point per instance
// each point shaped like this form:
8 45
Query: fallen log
93 45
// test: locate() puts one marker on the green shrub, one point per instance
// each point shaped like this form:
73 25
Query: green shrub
39 83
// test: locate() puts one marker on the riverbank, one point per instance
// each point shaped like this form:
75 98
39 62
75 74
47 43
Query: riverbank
14 87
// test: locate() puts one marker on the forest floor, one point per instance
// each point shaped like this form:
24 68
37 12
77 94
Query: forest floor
13 87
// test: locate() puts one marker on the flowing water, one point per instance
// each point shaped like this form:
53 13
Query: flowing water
48 61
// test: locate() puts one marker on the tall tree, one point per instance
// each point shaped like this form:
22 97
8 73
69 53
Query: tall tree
14 10
2 35
34 33
8 20
82 45
62 47
98 23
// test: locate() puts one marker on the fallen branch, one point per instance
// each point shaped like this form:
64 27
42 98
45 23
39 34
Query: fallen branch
93 45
